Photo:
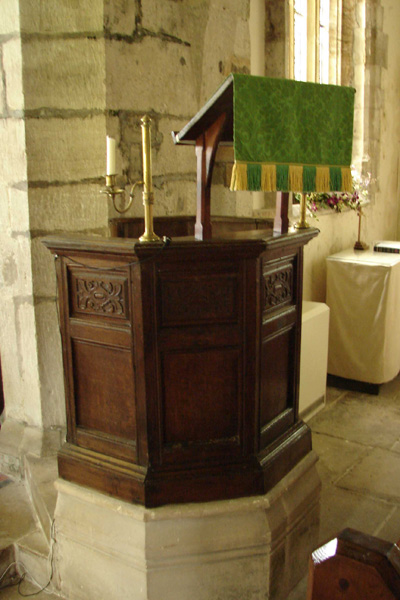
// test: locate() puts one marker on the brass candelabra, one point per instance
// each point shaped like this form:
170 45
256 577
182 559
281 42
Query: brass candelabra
112 189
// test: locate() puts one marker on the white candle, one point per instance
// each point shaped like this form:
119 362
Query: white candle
110 156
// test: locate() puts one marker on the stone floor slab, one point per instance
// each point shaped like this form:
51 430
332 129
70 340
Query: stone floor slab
336 455
377 420
377 474
343 508
390 528
16 519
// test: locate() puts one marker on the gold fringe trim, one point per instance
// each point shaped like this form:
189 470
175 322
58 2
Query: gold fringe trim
239 177
347 180
295 178
322 179
268 178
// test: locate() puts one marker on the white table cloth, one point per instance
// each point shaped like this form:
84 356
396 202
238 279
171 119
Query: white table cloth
363 294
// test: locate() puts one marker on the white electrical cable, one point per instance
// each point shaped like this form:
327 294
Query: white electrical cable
30 578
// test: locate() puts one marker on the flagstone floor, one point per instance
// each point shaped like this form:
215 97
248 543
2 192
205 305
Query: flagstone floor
357 437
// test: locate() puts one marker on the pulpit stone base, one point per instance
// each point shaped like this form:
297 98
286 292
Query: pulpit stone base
250 548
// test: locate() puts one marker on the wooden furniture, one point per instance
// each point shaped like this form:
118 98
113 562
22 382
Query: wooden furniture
364 339
184 225
212 125
181 364
355 566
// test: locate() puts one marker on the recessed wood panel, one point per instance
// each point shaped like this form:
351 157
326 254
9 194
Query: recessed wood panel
201 396
104 389
276 387
199 298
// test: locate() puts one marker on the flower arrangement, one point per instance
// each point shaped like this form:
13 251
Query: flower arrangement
338 201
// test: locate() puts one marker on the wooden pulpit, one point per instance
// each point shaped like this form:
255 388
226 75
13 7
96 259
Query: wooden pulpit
181 358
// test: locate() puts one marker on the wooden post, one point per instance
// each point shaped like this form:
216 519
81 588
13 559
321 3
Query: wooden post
206 149
281 222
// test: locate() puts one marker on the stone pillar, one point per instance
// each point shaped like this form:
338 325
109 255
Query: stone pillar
18 345
53 126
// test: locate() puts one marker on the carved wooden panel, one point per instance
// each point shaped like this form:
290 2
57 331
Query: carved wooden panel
102 294
278 285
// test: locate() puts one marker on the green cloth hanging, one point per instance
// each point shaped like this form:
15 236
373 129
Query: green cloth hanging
284 124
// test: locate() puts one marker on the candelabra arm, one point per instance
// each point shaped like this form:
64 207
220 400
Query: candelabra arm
112 190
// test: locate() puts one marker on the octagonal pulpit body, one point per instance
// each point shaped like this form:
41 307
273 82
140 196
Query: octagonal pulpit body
181 364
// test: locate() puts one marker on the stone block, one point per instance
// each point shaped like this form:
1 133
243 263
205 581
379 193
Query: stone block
68 208
9 22
68 16
64 73
19 360
18 206
13 161
169 158
136 80
180 21
359 47
120 16
65 149
175 197
250 548
15 272
220 44
43 270
5 213
50 363
241 47
3 106
377 48
244 204
223 201
12 64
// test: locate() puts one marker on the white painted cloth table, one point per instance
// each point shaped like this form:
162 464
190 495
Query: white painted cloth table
363 294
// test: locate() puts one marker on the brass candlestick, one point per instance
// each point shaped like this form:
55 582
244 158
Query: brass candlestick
112 190
148 196
359 245
302 222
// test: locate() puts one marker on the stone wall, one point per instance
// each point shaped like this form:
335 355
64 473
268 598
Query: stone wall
167 59
53 73
70 73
